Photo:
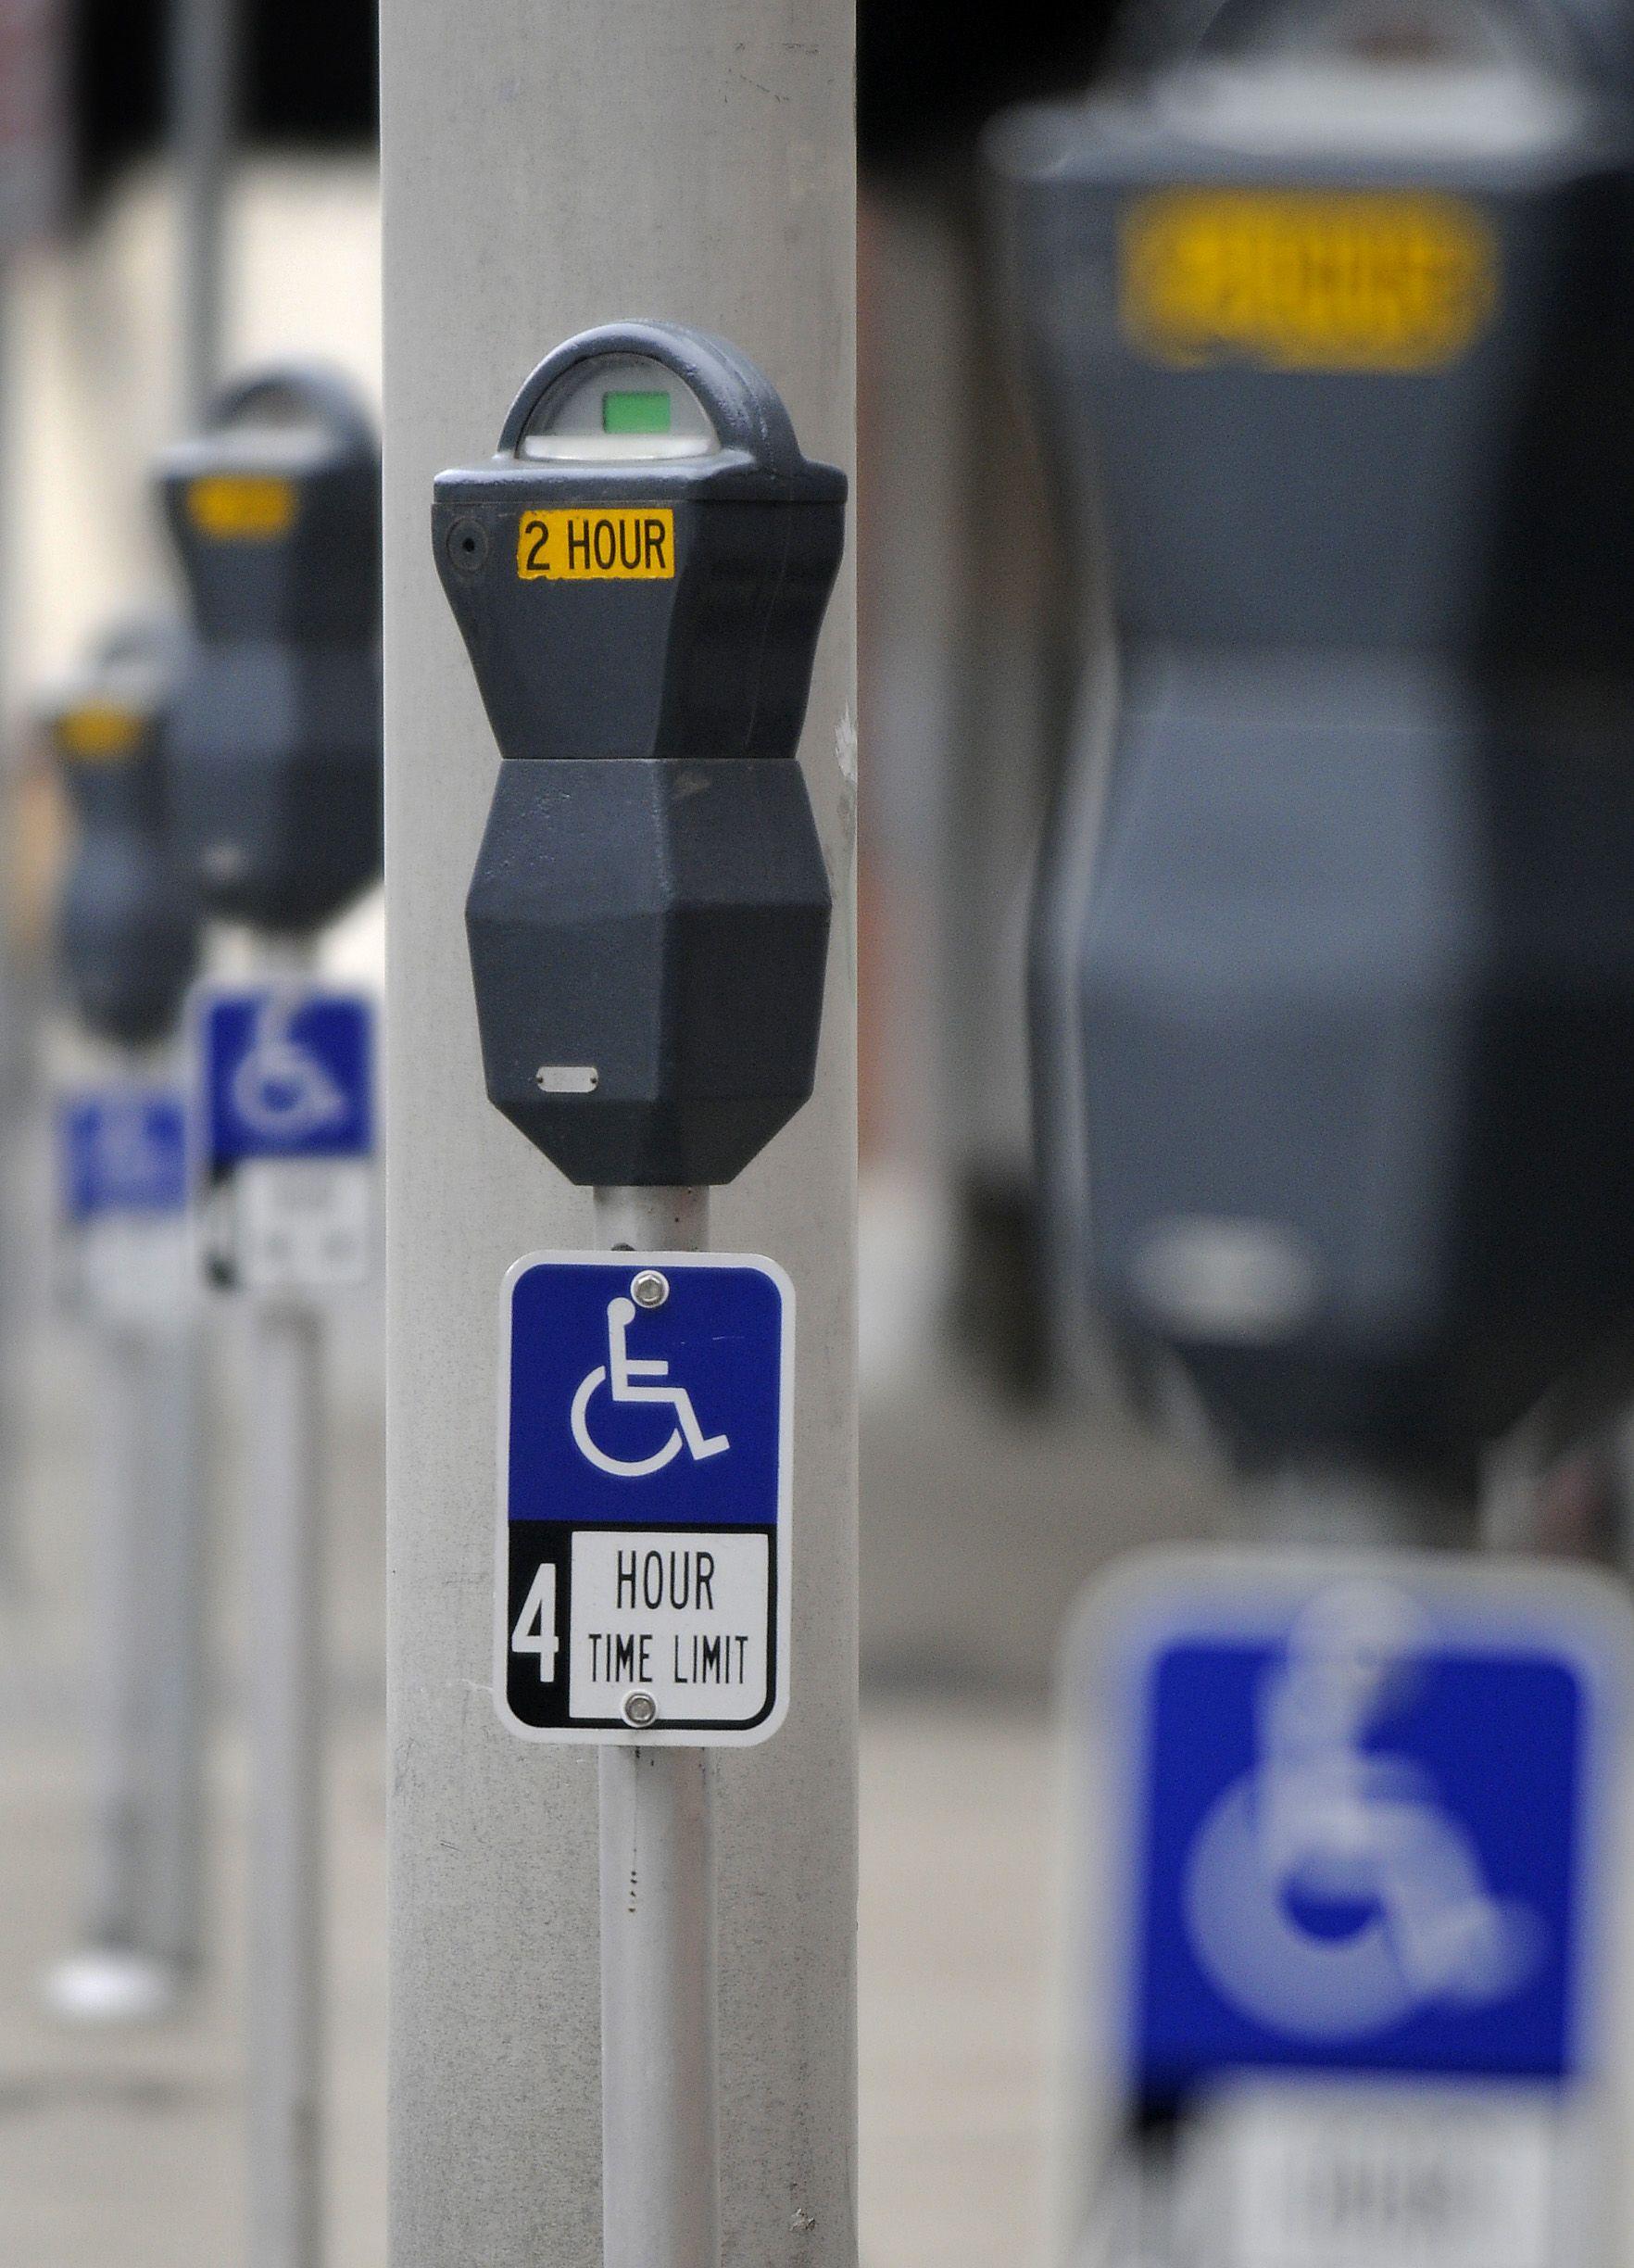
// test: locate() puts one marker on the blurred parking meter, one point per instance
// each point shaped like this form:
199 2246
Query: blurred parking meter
640 575
275 511
1334 952
127 924
128 931
1344 1987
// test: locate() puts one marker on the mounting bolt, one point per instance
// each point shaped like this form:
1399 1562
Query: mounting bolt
650 1289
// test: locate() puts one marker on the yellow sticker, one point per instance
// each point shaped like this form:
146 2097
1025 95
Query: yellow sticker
98 732
582 544
242 507
1336 280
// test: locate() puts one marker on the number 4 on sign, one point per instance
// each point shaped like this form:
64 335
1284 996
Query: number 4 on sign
535 1626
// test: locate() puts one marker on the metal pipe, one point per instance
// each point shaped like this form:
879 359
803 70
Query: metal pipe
661 2186
124 1971
171 1924
285 1687
119 1596
203 60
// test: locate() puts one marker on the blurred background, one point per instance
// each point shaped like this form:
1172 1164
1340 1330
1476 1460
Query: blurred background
1003 1462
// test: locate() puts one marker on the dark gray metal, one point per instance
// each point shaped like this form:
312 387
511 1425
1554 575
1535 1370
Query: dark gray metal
664 926
648 918
129 919
1351 989
277 735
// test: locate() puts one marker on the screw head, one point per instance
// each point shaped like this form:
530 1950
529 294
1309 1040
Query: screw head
650 1289
640 1710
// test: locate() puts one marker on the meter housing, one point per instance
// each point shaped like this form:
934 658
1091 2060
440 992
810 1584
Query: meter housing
128 917
640 576
1334 971
274 509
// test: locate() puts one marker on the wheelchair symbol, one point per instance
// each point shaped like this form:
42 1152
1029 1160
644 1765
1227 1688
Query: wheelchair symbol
280 1091
1323 1816
619 1372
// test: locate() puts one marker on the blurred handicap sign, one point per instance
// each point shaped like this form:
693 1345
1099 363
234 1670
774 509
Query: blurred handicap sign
642 1582
122 1170
1351 2012
286 1119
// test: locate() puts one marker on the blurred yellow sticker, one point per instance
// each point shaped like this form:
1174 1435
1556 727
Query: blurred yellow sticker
1336 280
580 544
242 507
98 732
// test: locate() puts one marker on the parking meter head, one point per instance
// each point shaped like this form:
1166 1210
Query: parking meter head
1334 990
640 576
128 917
642 568
274 510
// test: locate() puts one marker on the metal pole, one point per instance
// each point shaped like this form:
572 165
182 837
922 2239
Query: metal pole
661 2184
285 1684
146 1642
125 1971
697 165
287 1672
18 997
171 1918
202 73
118 1593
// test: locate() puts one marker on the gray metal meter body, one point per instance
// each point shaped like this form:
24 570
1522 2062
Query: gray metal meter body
275 512
128 917
1335 997
640 575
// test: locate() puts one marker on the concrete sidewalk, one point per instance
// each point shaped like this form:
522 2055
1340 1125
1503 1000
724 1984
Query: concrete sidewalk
126 2149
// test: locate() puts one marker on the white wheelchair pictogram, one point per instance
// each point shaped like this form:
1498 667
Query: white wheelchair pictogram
618 1373
280 1089
1319 1815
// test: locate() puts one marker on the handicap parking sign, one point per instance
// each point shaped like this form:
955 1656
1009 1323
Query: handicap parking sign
644 1529
1363 1814
123 1149
286 1134
122 1172
287 1073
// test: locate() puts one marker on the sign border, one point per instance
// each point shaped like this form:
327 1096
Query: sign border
622 1736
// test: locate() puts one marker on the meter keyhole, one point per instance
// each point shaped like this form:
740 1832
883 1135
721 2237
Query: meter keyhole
468 544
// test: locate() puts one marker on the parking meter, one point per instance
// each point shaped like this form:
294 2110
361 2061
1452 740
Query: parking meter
274 509
640 574
128 923
1334 992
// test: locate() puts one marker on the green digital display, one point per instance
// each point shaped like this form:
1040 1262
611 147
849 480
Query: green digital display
632 412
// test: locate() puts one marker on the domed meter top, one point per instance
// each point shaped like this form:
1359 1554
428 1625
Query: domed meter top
127 920
275 512
642 569
640 576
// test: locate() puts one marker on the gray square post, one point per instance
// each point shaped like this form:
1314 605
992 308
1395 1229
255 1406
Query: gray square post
547 168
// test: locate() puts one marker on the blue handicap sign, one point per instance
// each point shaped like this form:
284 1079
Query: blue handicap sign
644 1538
123 1150
670 1414
1361 1837
285 1071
